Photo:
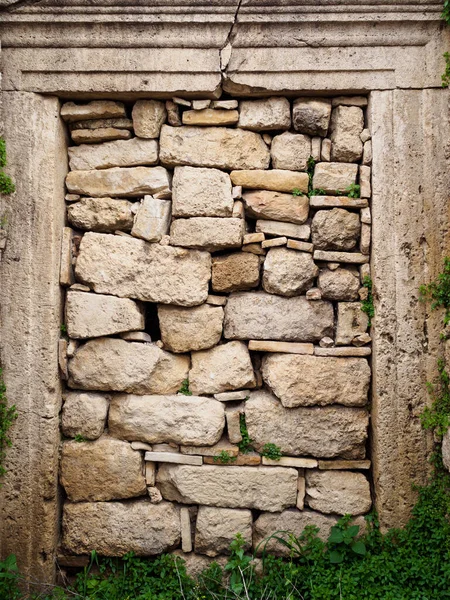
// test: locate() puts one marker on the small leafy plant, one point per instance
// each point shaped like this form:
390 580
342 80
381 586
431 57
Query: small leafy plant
367 305
245 445
342 542
238 566
272 451
317 192
224 458
297 192
79 438
63 328
8 414
184 389
438 291
354 190
6 184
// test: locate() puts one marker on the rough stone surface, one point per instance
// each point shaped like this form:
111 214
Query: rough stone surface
268 114
101 214
288 272
334 176
104 469
95 315
118 181
152 219
187 329
338 202
336 229
95 136
229 487
290 151
262 316
121 153
201 192
326 432
129 267
351 321
163 419
169 373
446 450
234 272
341 284
213 147
84 414
116 528
216 528
338 257
97 109
311 115
347 123
225 367
208 233
310 380
278 228
118 123
209 116
148 117
277 180
277 206
341 492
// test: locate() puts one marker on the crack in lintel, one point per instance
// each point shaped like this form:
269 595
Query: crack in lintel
227 48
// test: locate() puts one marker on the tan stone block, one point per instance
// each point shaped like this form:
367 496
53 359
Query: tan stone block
256 249
121 153
101 214
360 101
201 192
326 342
290 151
347 123
280 229
316 147
72 197
351 322
367 153
287 272
301 492
169 373
340 492
238 210
364 243
342 351
152 220
364 181
366 216
300 246
291 461
66 275
182 102
276 180
148 118
234 425
141 446
335 229
98 109
225 104
311 115
150 473
84 414
289 347
267 114
334 176
209 116
118 123
223 445
173 114
95 136
343 465
190 329
273 243
154 495
341 284
62 359
216 300
276 206
313 294
251 238
208 233
232 396
338 202
186 533
365 135
162 447
172 457
344 257
325 152
216 528
234 272
364 271
136 336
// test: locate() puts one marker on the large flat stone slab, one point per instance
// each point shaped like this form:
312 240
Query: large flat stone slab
123 266
277 180
263 488
97 109
189 329
262 316
121 153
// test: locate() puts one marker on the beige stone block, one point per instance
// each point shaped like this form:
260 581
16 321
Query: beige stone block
364 271
365 135
182 102
173 114
278 228
234 425
360 101
190 329
162 447
84 414
119 181
117 123
325 152
104 469
223 445
72 197
186 533
290 151
267 114
321 432
364 242
367 153
210 116
95 315
342 257
255 249
136 336
232 396
201 192
225 104
343 465
291 461
340 492
124 266
326 342
300 246
276 206
364 181
311 115
200 104
238 210
347 123
351 322
208 233
341 284
169 373
152 220
216 528
342 351
234 272
163 419
314 381
150 472
116 528
121 153
104 215
336 229
229 487
62 359
148 118
66 275
316 148
141 446
95 136
258 316
366 216
98 109
288 347
213 147
154 495
301 492
287 272
251 238
313 294
337 201
173 457
334 176
216 300
220 369
276 180
273 243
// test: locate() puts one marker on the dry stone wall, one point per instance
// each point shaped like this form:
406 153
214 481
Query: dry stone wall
213 264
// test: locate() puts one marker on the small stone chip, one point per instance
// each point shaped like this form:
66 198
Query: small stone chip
291 461
251 238
301 246
288 347
232 396
342 351
344 257
217 300
173 457
281 241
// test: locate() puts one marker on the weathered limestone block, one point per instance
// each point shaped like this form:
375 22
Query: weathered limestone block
267 114
216 528
95 136
341 284
262 316
446 450
233 272
117 123
334 177
84 414
341 257
116 528
169 373
310 380
290 151
101 214
123 266
201 192
209 116
278 228
213 147
336 229
326 432
187 329
98 109
95 315
105 469
208 233
119 181
347 123
121 153
341 492
350 101
325 151
276 180
225 367
152 219
263 488
338 202
157 419
311 115
212 451
276 206
364 181
148 118
351 322
288 272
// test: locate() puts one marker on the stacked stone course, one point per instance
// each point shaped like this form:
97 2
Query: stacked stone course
200 250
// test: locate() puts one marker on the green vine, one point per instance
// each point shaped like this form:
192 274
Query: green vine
8 415
367 304
6 184
245 445
271 451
